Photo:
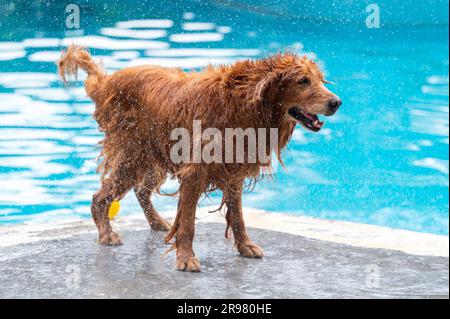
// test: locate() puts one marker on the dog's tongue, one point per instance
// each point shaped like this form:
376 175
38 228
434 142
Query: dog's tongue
314 119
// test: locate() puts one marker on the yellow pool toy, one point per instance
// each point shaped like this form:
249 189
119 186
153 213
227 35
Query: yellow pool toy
113 209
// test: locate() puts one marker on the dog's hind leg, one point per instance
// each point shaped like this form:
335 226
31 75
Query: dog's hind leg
113 187
235 220
152 181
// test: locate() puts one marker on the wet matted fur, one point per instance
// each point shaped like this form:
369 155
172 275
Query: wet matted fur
137 108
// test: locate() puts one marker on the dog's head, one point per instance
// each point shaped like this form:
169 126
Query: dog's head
295 87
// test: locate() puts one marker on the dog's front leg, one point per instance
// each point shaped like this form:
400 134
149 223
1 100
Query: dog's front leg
235 220
184 226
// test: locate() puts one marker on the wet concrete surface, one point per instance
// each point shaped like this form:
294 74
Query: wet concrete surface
293 267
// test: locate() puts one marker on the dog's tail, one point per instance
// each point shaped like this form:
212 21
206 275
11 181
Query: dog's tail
74 58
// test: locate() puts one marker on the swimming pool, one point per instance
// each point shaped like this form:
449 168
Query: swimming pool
383 159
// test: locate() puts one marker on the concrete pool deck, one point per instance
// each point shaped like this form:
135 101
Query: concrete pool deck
321 259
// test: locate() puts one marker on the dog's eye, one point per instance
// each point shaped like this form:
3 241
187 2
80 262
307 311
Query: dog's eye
303 81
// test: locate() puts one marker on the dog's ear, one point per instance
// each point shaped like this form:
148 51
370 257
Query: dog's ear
266 89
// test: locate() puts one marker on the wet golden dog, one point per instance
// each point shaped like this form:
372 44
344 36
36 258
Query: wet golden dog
137 108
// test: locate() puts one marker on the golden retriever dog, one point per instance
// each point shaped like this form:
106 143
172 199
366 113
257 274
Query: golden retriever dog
137 108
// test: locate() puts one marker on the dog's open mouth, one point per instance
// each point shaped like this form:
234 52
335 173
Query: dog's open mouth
309 121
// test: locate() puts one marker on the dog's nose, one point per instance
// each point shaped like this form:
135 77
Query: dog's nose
334 104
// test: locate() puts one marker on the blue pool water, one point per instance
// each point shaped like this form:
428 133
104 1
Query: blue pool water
383 159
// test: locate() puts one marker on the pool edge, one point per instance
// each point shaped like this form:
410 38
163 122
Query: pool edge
341 232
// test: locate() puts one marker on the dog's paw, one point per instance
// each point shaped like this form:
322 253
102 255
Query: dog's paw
191 264
160 225
110 239
250 250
